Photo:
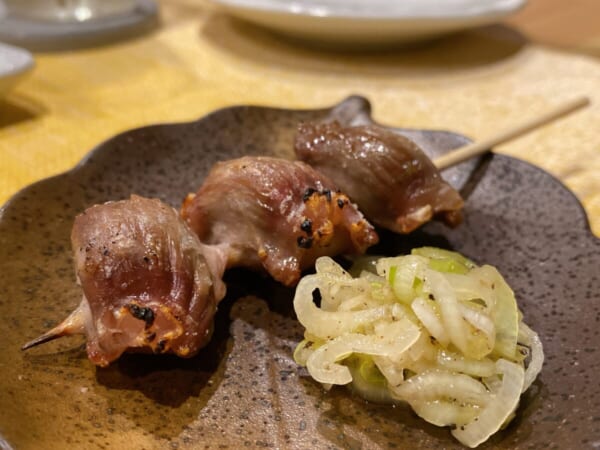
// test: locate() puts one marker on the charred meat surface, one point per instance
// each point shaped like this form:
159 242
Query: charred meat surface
277 215
385 174
148 282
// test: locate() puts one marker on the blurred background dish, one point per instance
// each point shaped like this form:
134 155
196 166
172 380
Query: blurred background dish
14 64
67 10
368 22
43 25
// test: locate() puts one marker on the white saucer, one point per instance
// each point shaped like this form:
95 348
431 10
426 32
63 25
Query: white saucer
14 64
368 22
46 30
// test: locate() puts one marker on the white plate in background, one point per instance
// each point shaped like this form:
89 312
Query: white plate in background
368 22
44 25
15 62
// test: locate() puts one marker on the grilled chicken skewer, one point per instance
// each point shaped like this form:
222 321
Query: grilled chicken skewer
394 183
148 282
390 178
152 279
276 215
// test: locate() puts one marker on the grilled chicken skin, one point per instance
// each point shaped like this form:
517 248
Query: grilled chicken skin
148 282
387 175
276 215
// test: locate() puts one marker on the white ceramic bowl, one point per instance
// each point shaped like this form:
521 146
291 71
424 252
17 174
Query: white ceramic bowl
15 62
368 22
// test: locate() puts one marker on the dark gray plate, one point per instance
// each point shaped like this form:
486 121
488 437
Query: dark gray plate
244 390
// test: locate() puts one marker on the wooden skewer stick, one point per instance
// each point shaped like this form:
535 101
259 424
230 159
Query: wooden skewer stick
485 145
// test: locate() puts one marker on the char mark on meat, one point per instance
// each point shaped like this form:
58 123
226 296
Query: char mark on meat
148 282
276 215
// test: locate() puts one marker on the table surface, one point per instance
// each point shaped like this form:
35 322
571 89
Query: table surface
199 60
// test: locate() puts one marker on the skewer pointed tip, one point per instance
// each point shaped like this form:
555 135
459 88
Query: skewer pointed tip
73 324
46 337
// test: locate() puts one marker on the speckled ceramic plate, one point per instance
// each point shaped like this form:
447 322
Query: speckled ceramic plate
244 389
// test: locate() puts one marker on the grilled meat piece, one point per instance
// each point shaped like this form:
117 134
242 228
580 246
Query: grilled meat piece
148 282
386 174
276 215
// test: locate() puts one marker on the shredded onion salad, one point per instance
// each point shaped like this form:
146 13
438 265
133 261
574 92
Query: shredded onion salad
431 329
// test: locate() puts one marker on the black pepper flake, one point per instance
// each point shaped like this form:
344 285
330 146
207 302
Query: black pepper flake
327 194
341 203
105 252
146 260
306 226
308 193
304 242
141 313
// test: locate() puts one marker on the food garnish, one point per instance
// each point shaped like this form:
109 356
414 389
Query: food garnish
432 329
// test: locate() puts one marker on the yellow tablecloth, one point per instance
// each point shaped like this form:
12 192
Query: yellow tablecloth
198 60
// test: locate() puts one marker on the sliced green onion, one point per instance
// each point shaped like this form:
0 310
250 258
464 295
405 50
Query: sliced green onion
403 275
449 307
469 366
537 355
445 413
431 329
323 364
496 412
442 385
505 314
367 379
445 260
329 324
429 316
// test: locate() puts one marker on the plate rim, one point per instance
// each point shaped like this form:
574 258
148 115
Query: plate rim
22 59
322 9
